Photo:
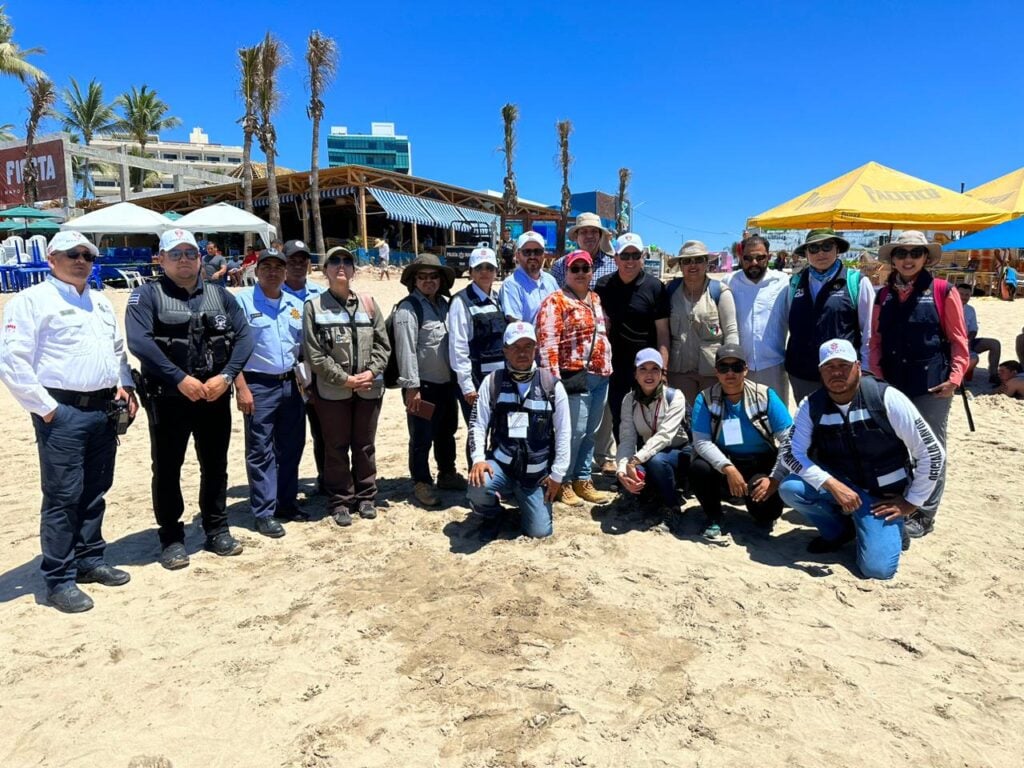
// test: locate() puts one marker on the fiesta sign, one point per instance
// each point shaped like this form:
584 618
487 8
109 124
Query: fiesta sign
48 159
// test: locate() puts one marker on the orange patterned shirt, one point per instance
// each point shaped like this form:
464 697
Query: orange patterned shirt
565 333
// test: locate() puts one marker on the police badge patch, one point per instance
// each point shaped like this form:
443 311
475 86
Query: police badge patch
220 322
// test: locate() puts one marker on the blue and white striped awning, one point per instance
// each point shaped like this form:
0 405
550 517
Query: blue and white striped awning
445 214
480 217
402 207
336 192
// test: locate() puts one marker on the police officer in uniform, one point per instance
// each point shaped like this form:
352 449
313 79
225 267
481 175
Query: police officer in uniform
192 340
62 356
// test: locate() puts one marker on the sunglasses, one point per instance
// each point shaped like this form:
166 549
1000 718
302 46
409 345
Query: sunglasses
428 276
822 247
756 258
915 253
687 261
528 252
576 269
485 268
83 255
737 367
634 256
179 255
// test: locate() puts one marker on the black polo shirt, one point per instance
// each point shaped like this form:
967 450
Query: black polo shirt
632 309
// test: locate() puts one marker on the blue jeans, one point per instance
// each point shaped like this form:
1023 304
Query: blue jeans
275 434
879 543
661 474
534 511
585 412
76 468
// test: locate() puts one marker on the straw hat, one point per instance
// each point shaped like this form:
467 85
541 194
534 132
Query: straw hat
592 220
820 236
378 243
690 248
911 239
428 261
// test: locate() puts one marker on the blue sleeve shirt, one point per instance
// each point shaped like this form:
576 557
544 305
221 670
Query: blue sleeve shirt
276 326
751 443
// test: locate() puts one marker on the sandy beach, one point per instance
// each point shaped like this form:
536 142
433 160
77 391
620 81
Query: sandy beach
404 642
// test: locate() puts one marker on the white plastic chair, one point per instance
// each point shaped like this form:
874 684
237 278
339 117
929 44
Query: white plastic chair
19 244
132 277
36 247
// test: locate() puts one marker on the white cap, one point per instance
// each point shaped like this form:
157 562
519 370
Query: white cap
836 349
518 330
649 355
530 237
628 240
65 241
482 256
175 237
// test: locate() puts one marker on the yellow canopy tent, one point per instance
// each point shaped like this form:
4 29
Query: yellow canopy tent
1006 192
876 197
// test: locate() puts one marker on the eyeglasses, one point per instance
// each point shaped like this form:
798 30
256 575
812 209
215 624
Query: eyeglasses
577 268
189 255
633 256
687 261
737 367
528 252
915 253
822 247
83 255
756 257
428 276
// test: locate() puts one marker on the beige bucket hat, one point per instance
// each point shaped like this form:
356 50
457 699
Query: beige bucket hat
592 220
912 239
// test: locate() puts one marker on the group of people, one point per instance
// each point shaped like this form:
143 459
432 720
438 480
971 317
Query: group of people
595 365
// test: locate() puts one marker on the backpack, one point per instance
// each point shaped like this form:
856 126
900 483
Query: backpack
391 370
853 277
714 288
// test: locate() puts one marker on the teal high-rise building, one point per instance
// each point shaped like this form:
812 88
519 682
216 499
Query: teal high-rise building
381 148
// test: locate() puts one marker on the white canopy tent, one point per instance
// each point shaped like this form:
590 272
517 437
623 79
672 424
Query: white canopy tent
224 217
120 219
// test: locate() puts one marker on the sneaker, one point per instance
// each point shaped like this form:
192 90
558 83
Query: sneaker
425 495
70 599
367 511
174 556
489 529
451 481
568 497
918 525
223 545
270 527
609 469
343 517
585 490
107 575
712 531
821 545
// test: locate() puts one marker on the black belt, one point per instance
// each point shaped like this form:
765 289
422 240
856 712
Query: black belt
97 400
254 375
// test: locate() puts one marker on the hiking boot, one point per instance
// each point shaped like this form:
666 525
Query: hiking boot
489 529
451 481
425 495
585 490
343 517
223 545
821 545
366 510
609 469
174 556
918 525
70 599
107 575
270 527
567 496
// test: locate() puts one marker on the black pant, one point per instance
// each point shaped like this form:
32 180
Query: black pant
172 420
438 431
318 441
710 487
350 429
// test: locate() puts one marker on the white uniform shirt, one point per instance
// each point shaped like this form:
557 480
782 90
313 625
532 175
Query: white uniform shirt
54 337
460 331
761 316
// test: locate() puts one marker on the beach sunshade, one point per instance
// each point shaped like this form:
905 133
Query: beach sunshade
172 215
28 212
1006 192
876 197
43 227
1008 235
10 226
224 217
120 219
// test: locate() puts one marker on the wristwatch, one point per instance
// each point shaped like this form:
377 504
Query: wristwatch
227 378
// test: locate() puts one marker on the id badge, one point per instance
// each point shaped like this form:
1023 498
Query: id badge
732 434
517 423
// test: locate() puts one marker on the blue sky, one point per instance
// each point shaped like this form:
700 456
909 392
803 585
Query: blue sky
721 110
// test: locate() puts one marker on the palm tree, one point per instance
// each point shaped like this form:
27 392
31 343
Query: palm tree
249 67
12 58
145 114
620 219
564 128
509 115
322 60
7 132
42 96
268 98
86 116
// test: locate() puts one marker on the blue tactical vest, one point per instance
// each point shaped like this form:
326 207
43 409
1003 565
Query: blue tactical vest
915 352
199 342
486 347
527 460
812 322
861 447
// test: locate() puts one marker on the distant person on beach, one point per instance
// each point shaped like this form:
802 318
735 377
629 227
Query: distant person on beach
1007 277
519 439
383 259
506 253
215 266
1011 380
192 339
863 461
844 312
977 345
62 356
529 285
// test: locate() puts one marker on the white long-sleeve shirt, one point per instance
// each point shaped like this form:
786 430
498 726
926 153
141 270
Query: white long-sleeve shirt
660 424
460 331
926 452
762 316
481 419
55 337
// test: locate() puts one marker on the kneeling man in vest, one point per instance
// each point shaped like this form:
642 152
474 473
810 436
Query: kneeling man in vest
864 461
518 438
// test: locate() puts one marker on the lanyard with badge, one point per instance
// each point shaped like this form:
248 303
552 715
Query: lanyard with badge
652 426
518 420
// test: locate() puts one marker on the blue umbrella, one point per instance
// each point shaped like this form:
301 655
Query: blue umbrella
1008 235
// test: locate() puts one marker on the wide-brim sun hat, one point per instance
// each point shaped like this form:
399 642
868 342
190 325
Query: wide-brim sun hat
427 261
592 220
820 236
689 249
911 239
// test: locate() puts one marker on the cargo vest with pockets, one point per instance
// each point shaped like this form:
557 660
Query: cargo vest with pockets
916 354
527 460
197 341
348 338
486 347
813 321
